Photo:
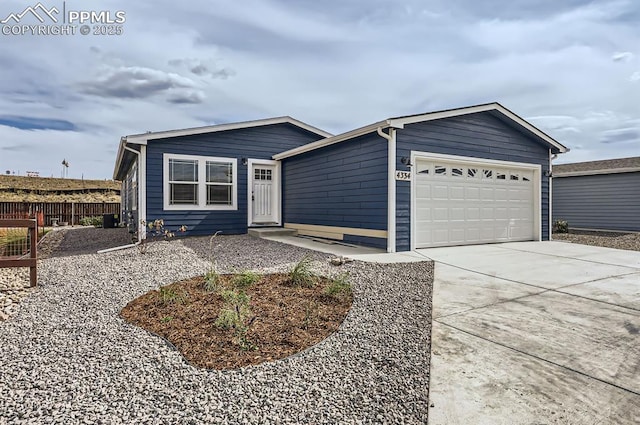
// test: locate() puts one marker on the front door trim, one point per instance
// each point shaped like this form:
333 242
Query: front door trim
251 163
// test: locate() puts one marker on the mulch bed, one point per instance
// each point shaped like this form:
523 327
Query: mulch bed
286 319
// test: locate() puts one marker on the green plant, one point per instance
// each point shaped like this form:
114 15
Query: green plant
301 274
235 315
560 226
339 286
95 221
245 279
212 281
169 295
212 277
166 319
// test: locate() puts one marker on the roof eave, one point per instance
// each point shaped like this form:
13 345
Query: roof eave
332 140
494 106
143 138
597 172
119 157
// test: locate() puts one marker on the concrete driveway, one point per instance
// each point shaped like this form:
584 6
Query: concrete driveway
535 333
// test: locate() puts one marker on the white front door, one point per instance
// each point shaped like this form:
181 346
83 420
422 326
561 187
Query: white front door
264 202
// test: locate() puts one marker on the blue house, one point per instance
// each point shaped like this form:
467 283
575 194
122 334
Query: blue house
472 175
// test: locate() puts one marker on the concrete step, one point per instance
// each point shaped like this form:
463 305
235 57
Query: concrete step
263 232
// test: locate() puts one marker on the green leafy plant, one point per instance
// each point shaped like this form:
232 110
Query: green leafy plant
560 226
235 315
212 281
339 287
245 279
301 274
95 221
169 295
166 319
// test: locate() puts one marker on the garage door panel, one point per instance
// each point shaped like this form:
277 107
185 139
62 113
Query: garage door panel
440 236
423 191
456 193
459 204
440 192
473 213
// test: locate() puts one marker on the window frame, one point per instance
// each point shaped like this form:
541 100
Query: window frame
201 183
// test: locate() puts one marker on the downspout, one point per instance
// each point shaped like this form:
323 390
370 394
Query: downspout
391 187
551 158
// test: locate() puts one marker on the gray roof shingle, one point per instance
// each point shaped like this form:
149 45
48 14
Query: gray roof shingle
612 165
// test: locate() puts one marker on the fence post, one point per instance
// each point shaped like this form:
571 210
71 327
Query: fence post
33 270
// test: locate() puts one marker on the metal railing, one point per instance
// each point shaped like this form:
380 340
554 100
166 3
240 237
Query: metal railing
19 246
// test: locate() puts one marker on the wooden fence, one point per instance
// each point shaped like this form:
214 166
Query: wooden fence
69 212
19 248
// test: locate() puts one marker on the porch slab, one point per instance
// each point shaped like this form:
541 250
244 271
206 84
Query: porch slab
265 232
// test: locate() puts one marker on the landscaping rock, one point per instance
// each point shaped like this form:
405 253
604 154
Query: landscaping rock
67 356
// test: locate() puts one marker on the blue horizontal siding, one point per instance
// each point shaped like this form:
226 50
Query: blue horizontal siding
342 185
257 142
605 201
482 135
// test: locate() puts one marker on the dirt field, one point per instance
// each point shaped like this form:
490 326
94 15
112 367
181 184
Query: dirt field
40 189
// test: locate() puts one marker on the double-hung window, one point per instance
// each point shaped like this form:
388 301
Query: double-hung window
199 182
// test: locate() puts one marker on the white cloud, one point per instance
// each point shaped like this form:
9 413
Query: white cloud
335 64
622 56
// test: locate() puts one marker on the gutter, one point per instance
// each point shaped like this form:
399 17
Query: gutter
391 187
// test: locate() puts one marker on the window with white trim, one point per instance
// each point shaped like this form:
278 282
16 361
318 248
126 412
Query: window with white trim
199 182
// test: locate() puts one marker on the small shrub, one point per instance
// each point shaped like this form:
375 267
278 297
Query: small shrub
95 221
301 274
235 315
339 287
227 319
245 279
169 295
166 319
212 281
560 226
156 231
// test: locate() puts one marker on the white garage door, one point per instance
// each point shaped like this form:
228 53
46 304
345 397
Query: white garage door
465 203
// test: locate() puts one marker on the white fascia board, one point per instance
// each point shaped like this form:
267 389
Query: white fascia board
597 172
119 157
142 139
475 109
331 140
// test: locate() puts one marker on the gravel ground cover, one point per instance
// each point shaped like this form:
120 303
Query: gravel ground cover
67 356
14 282
628 241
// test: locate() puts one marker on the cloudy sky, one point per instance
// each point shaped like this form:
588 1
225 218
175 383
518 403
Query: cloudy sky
571 67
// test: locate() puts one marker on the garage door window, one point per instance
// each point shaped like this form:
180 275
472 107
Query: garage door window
440 170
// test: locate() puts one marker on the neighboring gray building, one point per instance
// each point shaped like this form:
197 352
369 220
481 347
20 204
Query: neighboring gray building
598 195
